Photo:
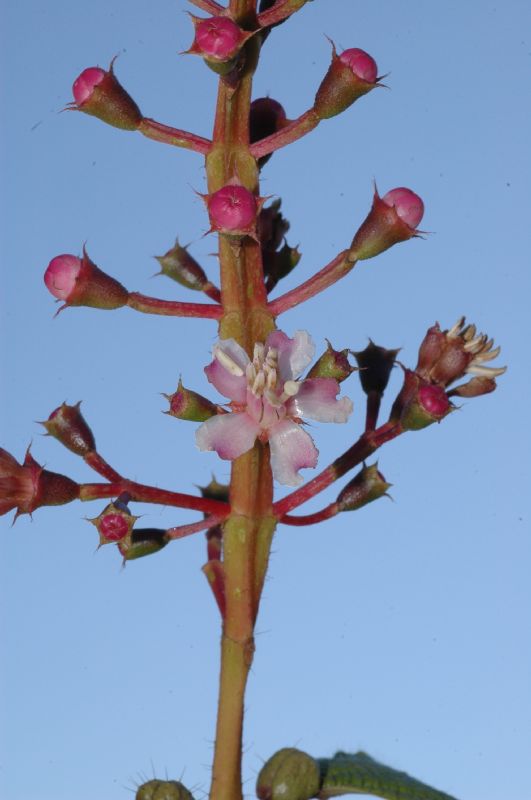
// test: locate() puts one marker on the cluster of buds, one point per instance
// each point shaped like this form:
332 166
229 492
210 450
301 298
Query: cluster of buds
445 357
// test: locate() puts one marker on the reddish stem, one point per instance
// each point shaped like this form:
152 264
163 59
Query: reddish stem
170 308
208 5
212 291
99 465
141 493
360 450
181 531
310 519
373 409
168 135
336 269
294 130
277 13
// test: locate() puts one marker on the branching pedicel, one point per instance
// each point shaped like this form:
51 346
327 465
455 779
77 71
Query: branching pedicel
263 373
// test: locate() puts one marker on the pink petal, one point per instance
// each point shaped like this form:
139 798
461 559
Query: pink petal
316 399
230 435
294 355
291 449
232 386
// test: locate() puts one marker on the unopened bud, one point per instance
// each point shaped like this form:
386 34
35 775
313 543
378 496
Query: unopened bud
350 76
233 210
219 41
332 364
266 117
69 427
375 364
389 221
79 282
289 774
28 486
419 403
272 226
181 267
143 542
98 92
162 790
474 388
188 405
279 264
368 485
215 490
114 523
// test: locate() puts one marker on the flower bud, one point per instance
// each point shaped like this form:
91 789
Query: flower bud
350 76
98 92
271 226
68 426
289 774
114 523
162 790
233 210
266 117
189 405
219 41
419 403
446 356
474 388
181 267
387 223
215 491
143 542
332 364
277 265
79 282
375 364
368 485
29 486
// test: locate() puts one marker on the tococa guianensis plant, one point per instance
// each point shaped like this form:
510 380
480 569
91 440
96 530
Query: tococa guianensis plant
268 381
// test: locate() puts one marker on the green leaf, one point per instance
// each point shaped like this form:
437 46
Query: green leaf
358 773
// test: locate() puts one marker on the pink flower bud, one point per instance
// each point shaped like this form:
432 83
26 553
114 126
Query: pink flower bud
114 527
389 221
84 85
115 522
407 204
232 209
361 63
433 399
332 364
99 93
419 403
79 282
218 37
61 275
191 406
350 76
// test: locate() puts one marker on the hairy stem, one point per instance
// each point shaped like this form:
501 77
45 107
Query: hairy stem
170 308
168 135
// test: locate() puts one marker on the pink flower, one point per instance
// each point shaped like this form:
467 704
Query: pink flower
268 400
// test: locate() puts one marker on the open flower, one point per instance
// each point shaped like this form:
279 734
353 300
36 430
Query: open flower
268 400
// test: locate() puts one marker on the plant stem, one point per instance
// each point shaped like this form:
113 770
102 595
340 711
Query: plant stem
246 319
141 493
295 129
167 135
170 308
336 269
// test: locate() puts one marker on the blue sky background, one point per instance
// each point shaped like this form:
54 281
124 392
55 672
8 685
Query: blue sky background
402 629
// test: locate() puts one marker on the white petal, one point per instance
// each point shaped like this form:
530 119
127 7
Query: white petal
294 355
226 382
230 435
316 399
291 449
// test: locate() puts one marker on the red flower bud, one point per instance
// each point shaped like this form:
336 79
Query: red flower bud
79 282
233 210
350 76
419 403
98 92
29 486
68 426
332 364
191 406
387 223
219 40
368 485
